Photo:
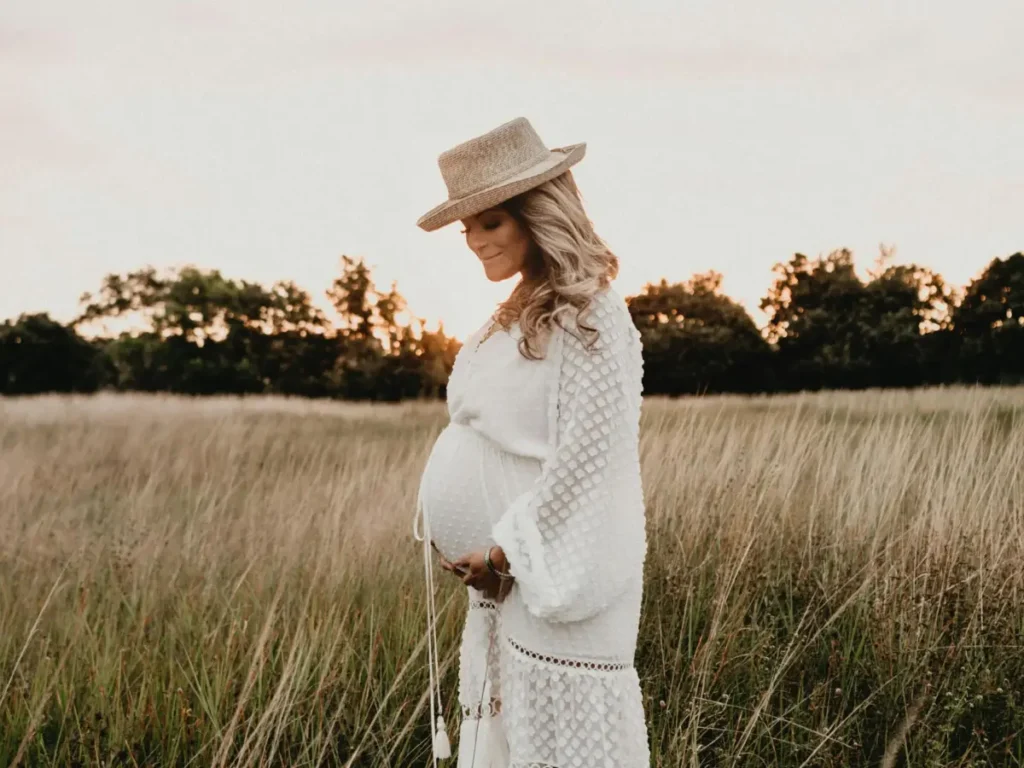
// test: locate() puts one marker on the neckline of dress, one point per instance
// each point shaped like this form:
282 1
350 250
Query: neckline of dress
487 331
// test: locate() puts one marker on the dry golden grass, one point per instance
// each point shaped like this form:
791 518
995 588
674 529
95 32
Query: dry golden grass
832 579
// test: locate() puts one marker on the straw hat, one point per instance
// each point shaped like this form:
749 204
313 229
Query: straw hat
490 169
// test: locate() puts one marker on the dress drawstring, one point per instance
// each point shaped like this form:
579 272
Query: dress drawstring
441 744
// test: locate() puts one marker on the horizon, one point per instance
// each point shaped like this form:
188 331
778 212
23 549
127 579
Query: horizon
266 144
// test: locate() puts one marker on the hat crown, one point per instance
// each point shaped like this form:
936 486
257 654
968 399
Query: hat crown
491 158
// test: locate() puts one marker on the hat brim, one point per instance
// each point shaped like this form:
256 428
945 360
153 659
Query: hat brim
558 162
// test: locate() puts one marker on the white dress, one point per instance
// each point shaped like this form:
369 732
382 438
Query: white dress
541 457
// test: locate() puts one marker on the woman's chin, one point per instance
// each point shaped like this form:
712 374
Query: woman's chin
498 271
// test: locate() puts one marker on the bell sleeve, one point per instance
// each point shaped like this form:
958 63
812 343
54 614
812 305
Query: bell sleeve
576 540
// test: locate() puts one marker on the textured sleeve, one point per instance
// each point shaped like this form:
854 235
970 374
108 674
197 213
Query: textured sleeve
576 540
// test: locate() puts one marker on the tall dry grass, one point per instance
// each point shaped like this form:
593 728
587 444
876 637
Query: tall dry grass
832 579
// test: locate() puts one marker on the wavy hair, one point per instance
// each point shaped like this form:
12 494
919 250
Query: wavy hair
568 264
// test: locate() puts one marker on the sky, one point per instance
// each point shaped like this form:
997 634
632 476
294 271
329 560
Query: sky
267 139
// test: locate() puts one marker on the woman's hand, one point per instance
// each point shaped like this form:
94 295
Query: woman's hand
473 572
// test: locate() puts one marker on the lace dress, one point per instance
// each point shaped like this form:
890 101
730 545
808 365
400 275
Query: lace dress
541 457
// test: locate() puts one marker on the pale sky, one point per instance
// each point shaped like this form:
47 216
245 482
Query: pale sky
265 139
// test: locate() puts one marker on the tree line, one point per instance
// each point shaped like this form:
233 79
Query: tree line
195 331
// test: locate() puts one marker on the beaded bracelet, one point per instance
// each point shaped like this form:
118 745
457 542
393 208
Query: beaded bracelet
492 569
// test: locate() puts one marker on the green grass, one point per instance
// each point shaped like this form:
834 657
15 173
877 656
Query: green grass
832 580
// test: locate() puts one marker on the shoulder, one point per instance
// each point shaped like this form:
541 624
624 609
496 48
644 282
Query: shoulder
608 315
609 309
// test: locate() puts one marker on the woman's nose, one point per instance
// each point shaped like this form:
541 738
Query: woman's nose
476 242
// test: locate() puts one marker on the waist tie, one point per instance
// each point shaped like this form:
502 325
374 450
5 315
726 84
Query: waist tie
441 744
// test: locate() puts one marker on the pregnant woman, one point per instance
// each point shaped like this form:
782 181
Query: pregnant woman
532 494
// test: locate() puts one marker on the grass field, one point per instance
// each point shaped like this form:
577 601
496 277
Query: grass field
832 580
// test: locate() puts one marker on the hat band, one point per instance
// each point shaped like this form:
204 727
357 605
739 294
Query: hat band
495 180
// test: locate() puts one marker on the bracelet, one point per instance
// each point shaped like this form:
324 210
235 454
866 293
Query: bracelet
492 569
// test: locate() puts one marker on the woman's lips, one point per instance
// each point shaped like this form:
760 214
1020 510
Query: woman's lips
491 258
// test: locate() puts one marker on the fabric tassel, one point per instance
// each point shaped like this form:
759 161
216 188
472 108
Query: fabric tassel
442 746
482 743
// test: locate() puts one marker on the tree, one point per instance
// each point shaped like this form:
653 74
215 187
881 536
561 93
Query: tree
988 324
353 296
813 310
833 330
906 319
389 306
38 354
359 364
382 358
284 308
437 353
202 333
696 339
201 304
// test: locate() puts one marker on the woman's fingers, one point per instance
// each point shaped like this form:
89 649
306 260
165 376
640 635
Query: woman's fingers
446 564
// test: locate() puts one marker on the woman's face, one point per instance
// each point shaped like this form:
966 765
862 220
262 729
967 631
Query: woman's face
500 241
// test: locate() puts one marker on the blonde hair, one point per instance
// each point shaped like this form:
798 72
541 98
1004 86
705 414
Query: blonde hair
568 265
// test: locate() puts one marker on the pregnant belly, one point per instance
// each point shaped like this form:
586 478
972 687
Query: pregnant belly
468 483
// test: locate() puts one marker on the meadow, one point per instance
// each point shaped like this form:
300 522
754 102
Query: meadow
833 579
